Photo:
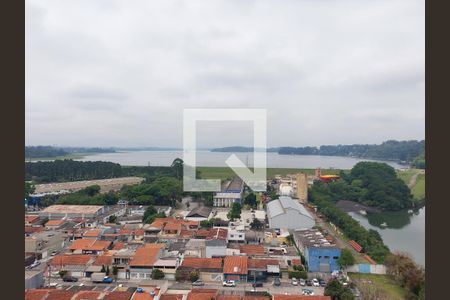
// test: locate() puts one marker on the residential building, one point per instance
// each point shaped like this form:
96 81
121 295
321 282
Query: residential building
74 264
302 187
215 248
236 236
33 279
210 269
260 269
141 264
231 192
200 213
235 268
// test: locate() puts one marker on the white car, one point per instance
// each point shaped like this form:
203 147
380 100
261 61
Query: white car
315 282
294 281
229 283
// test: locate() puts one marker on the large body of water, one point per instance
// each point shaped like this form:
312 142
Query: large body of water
217 159
403 231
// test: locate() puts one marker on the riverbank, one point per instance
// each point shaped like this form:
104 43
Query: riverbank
355 207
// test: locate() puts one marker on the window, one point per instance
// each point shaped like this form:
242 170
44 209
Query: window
326 257
335 257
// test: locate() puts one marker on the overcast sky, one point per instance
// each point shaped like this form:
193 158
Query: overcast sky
120 73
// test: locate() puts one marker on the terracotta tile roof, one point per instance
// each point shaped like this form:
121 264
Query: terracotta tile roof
103 260
202 233
60 295
217 234
147 255
116 295
118 246
142 296
87 295
235 265
139 232
257 298
296 262
162 222
252 249
201 294
70 260
89 244
299 297
93 233
261 263
228 297
30 229
36 294
202 263
54 222
171 297
31 219
172 226
184 233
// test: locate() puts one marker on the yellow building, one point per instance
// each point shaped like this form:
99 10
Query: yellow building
302 187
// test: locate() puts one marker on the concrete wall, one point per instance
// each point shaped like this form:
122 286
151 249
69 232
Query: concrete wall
367 269
211 277
34 281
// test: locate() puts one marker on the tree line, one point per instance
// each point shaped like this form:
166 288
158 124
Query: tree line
403 151
50 151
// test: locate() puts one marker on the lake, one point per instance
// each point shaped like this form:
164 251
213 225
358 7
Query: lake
404 231
217 159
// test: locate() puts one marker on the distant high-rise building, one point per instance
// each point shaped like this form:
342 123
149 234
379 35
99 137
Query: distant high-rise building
302 187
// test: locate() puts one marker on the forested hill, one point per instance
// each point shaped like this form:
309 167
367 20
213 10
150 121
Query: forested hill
50 151
241 149
403 151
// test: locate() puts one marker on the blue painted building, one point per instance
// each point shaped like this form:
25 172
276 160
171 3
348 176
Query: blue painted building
322 259
320 254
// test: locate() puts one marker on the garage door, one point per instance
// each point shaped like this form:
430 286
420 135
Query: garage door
324 268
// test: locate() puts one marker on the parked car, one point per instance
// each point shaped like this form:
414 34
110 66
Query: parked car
302 282
107 279
309 282
294 281
198 282
257 284
229 283
322 282
139 290
70 279
315 282
53 253
277 281
307 292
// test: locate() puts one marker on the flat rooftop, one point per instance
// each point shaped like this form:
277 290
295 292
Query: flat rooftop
72 209
312 238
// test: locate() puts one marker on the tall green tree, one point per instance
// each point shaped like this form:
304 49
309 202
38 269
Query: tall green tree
177 167
235 211
346 259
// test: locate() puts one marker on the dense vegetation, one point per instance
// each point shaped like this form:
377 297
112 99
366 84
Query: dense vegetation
372 184
337 291
151 214
405 151
407 274
370 240
43 151
71 170
89 196
49 151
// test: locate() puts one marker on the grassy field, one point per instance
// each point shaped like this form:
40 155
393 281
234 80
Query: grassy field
381 282
227 173
418 189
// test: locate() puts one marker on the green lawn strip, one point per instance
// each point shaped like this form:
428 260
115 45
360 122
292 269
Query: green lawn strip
383 282
227 173
418 190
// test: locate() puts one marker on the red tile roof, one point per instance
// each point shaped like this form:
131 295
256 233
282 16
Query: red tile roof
55 222
235 265
118 245
116 295
35 294
171 297
103 260
87 295
296 262
93 233
217 234
261 263
202 263
147 255
60 295
31 229
201 294
70 260
256 298
299 297
31 219
252 249
228 297
90 245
